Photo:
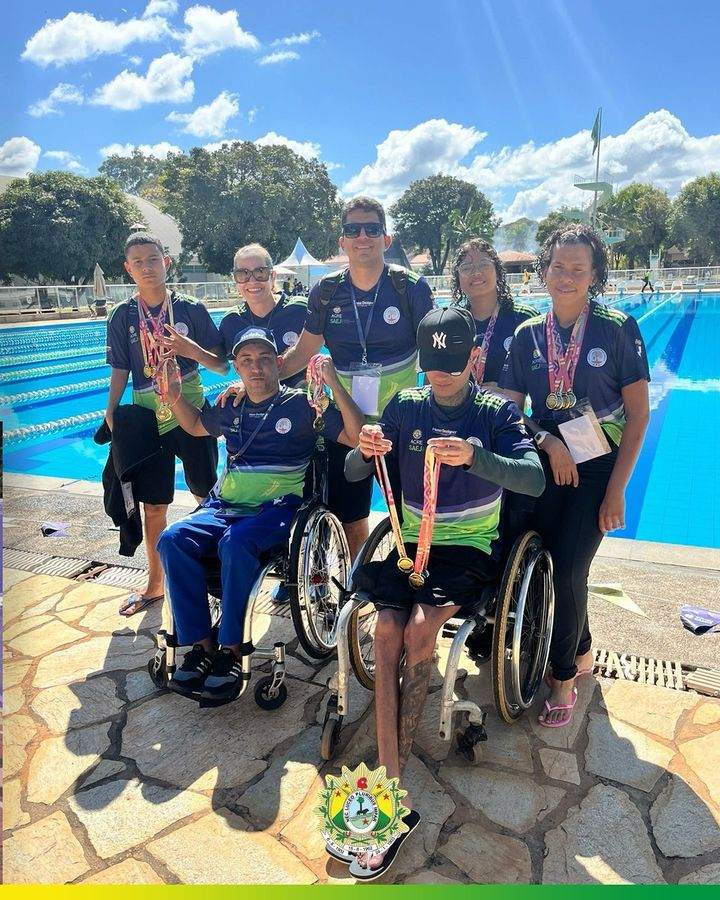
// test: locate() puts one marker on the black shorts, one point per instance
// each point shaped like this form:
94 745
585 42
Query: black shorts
348 500
199 456
456 578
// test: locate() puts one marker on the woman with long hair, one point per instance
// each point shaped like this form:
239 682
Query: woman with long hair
584 367
479 284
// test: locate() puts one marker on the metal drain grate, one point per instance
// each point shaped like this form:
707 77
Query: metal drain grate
121 576
41 564
659 672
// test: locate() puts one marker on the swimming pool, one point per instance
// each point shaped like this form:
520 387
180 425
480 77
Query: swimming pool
54 383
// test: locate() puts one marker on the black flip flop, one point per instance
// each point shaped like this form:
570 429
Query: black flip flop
412 820
136 603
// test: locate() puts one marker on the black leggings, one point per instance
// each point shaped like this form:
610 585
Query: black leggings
567 520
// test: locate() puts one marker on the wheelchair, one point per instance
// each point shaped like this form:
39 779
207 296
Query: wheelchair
314 566
511 623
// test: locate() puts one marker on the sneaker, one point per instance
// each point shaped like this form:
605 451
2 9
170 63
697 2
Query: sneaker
225 680
281 594
191 675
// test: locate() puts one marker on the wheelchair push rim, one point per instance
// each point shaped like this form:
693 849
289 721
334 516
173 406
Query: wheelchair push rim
319 562
523 627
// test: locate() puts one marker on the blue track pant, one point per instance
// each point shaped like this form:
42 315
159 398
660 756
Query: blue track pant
238 542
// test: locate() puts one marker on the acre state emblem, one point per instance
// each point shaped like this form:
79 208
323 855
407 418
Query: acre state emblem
361 810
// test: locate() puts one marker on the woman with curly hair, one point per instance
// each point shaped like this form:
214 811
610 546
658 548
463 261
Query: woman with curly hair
478 284
584 367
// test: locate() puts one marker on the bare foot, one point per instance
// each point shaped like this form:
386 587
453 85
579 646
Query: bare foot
375 860
584 663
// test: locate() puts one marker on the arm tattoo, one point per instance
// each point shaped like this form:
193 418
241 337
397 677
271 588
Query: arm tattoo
412 700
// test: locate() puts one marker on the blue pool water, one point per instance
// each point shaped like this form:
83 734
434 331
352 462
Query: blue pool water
57 374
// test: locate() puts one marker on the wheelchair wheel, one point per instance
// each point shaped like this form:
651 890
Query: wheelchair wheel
266 700
363 620
157 669
318 569
523 626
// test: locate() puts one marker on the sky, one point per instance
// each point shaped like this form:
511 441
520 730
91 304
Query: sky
502 93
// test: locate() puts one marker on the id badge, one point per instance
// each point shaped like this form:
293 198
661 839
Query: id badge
128 499
583 435
365 388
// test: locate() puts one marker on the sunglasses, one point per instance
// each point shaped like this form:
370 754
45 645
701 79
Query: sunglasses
372 229
262 273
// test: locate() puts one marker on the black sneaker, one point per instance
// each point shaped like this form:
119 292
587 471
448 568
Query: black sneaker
190 676
224 681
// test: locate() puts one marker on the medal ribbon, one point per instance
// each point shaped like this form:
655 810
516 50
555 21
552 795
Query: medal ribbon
431 477
562 365
151 334
316 396
168 371
386 488
478 369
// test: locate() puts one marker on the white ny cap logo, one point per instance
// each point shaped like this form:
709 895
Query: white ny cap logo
439 338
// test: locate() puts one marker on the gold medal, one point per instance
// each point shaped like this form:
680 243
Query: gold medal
551 401
319 423
571 399
416 579
163 413
324 402
149 371
405 564
564 402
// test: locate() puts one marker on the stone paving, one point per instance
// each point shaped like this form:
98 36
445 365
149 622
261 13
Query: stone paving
141 787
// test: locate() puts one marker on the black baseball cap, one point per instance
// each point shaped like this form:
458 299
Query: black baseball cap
253 335
445 339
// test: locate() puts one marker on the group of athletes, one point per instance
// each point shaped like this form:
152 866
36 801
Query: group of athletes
548 409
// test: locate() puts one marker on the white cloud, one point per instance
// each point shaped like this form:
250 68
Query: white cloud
211 31
209 120
69 160
167 81
18 156
252 113
61 93
307 149
160 8
303 38
531 180
279 56
160 150
404 156
81 36
135 60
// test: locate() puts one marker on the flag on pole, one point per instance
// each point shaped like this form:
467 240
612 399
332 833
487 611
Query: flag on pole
595 133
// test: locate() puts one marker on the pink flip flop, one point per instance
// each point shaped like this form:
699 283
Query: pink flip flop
566 706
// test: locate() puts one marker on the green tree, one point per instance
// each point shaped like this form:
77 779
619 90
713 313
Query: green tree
435 213
55 226
695 219
642 211
133 172
243 193
520 235
556 219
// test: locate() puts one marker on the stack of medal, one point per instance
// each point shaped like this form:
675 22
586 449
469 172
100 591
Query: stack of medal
404 563
431 477
562 366
167 373
150 343
316 395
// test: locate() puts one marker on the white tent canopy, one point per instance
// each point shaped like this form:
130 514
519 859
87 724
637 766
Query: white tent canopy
300 257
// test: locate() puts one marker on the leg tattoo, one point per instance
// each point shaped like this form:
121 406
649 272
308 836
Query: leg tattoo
412 700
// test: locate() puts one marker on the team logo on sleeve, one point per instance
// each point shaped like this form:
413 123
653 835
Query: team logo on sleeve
638 347
290 338
475 441
181 328
597 357
282 426
507 342
392 315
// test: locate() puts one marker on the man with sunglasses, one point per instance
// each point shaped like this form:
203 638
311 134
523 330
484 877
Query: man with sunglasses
369 329
284 316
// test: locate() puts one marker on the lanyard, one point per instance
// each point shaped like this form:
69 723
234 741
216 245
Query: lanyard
404 563
270 314
363 335
562 365
478 369
251 438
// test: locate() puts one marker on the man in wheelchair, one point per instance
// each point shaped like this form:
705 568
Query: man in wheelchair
478 438
270 440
